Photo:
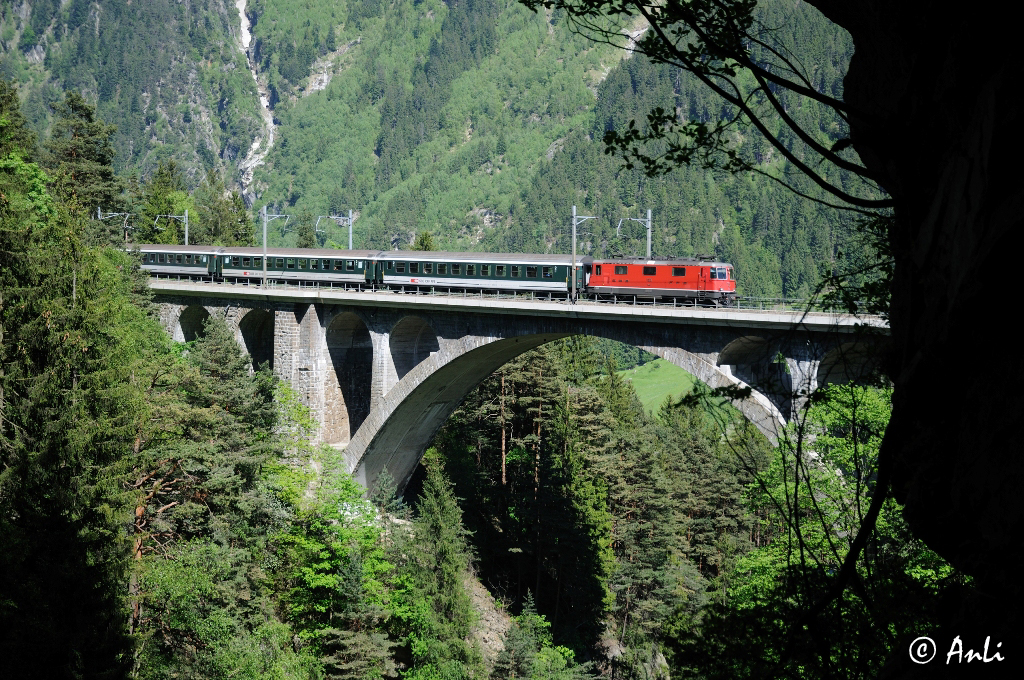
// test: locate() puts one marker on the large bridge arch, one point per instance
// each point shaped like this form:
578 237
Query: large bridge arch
398 431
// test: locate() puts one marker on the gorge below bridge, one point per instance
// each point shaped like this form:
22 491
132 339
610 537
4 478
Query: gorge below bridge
382 371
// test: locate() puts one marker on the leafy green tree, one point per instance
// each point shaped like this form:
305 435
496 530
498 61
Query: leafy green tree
812 509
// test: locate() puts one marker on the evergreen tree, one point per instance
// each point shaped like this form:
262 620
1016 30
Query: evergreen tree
68 340
79 155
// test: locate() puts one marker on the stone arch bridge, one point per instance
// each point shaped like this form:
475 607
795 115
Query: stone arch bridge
382 371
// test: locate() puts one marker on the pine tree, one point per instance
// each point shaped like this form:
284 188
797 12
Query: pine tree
79 156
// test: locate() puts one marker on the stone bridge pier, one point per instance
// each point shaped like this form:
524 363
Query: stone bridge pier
381 379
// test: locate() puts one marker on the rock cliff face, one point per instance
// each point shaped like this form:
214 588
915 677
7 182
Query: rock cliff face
934 111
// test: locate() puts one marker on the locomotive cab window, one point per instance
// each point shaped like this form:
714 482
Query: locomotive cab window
620 269
714 274
678 271
597 269
650 271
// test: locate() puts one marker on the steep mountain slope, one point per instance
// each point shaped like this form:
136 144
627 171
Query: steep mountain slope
477 120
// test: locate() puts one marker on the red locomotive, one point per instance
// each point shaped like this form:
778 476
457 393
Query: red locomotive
691 281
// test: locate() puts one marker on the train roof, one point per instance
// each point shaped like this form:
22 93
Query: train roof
419 255
678 262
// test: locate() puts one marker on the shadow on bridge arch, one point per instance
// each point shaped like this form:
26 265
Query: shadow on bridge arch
191 323
257 331
347 391
855 362
398 432
411 341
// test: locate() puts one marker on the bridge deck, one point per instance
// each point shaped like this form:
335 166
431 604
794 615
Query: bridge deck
490 304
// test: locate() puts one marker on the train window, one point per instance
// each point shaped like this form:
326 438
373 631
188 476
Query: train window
442 269
721 274
257 262
391 265
597 270
428 268
314 264
515 270
400 268
178 258
302 263
204 259
485 270
547 272
678 271
456 268
714 273
531 272
650 271
235 261
620 269
279 262
160 258
359 265
499 269
291 263
350 265
470 270
414 267
339 265
246 261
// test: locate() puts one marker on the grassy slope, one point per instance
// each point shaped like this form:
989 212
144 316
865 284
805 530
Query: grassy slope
656 380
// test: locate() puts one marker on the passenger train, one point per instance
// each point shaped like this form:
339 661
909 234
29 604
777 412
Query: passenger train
683 280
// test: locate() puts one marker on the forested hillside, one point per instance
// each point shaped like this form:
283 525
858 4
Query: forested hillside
478 121
164 511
